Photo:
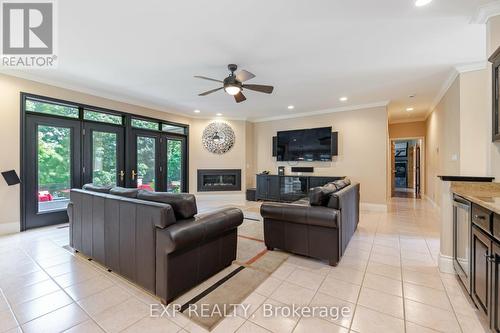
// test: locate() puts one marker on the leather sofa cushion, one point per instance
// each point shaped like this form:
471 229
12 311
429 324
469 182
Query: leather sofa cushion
320 216
184 204
194 231
319 196
96 188
341 183
124 192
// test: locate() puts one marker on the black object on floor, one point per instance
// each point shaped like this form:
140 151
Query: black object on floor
251 194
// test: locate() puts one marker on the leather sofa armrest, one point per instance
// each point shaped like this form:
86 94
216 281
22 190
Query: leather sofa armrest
313 215
190 232
346 196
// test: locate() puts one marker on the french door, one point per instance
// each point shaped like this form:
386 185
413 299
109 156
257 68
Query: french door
157 161
103 155
52 167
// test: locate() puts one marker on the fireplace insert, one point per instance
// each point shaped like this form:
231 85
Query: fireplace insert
210 180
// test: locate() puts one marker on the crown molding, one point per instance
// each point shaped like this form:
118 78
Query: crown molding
99 93
454 73
470 67
485 12
444 88
314 113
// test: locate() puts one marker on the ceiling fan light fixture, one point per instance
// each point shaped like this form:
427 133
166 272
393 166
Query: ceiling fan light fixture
232 90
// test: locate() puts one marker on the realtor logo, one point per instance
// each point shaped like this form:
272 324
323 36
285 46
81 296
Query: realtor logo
28 34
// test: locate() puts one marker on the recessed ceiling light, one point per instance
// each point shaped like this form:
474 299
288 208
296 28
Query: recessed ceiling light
219 114
197 111
291 107
343 99
409 109
421 3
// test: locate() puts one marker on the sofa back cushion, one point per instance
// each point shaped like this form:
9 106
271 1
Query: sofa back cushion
124 192
184 204
341 183
97 188
319 196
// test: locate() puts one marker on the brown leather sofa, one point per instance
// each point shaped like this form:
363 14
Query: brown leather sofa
153 239
319 226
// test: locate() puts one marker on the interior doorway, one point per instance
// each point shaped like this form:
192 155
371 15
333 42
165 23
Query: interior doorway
406 167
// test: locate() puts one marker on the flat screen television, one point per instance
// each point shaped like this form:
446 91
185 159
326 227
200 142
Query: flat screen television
307 145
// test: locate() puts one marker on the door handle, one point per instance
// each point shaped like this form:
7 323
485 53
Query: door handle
122 175
479 217
134 174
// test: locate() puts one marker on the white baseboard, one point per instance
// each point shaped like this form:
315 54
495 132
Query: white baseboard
373 207
446 264
433 203
9 228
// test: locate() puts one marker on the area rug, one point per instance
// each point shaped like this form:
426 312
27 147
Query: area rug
253 265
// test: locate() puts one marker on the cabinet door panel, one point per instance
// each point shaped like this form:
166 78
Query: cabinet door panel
274 187
495 288
481 250
262 187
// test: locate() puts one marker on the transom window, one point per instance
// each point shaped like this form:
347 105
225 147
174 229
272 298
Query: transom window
102 117
146 124
33 105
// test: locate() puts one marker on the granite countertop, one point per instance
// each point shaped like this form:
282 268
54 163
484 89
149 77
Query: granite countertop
486 195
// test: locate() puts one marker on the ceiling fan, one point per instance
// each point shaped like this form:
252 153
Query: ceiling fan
233 84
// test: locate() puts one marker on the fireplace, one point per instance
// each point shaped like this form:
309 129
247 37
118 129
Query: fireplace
219 180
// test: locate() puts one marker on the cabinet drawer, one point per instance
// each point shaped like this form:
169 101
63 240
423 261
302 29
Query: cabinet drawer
482 218
496 227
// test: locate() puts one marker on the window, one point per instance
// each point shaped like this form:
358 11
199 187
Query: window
138 123
33 105
102 117
173 129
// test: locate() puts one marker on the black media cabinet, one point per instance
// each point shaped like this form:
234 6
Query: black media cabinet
288 188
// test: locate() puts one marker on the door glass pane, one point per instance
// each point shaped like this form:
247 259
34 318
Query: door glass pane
102 117
54 167
51 108
174 166
146 163
104 152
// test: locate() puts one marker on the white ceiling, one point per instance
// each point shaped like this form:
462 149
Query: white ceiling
313 52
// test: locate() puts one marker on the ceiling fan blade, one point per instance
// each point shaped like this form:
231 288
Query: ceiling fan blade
244 75
210 91
259 88
239 97
206 78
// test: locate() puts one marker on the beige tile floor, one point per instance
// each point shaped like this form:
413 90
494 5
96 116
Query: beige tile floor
388 278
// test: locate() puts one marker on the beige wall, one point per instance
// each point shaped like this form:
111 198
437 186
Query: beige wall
443 141
363 138
10 89
493 42
200 158
414 129
474 119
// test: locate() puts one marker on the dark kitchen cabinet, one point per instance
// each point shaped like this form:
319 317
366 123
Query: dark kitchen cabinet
481 252
495 287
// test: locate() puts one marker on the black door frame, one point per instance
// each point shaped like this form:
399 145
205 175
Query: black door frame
30 177
184 176
126 125
161 167
87 145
